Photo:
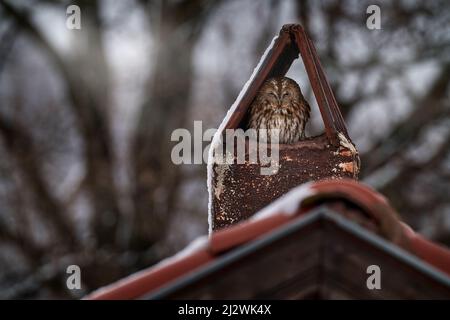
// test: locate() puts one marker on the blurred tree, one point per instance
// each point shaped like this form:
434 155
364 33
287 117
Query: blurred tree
48 127
418 29
176 26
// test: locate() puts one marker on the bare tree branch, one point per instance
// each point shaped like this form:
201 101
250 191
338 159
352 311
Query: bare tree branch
92 125
20 146
425 110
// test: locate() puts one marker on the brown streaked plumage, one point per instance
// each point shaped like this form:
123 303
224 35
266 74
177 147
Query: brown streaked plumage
280 105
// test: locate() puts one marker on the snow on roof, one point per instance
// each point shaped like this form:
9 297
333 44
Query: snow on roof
205 249
195 246
287 204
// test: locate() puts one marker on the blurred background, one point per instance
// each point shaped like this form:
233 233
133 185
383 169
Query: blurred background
86 117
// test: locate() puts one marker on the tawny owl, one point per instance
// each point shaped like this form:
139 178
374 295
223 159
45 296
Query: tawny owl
280 105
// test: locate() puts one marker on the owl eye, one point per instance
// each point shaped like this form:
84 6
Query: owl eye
286 94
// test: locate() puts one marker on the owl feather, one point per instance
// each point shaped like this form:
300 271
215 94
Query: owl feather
280 105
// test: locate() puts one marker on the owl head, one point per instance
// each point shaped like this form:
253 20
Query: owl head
281 92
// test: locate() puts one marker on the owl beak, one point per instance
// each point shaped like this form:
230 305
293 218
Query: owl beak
279 103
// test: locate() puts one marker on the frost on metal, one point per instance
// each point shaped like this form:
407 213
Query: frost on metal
216 141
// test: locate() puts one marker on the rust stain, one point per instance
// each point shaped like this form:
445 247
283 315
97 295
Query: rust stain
347 166
346 153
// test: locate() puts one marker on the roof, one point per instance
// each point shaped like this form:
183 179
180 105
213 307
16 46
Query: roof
312 242
291 43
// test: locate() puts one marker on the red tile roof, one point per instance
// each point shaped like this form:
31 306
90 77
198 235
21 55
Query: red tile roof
366 201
